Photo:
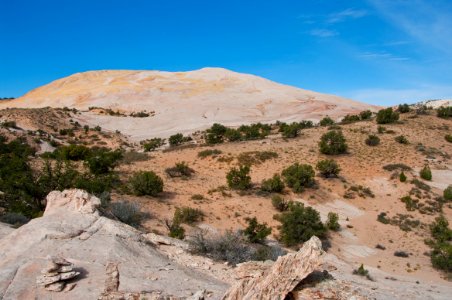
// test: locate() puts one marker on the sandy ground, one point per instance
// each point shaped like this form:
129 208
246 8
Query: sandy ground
361 231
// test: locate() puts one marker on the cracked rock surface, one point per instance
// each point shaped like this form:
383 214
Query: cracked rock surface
71 227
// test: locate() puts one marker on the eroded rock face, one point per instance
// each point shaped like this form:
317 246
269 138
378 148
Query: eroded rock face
73 228
277 281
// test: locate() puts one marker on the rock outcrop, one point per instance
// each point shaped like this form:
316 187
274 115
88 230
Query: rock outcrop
71 227
277 281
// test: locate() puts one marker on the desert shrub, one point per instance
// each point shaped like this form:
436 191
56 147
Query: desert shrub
441 257
350 119
333 142
361 271
176 139
393 167
9 124
326 121
129 157
254 131
181 169
401 139
387 116
232 247
402 177
426 173
403 108
153 144
14 219
238 178
273 185
86 128
127 212
447 193
279 203
381 129
382 218
188 215
410 204
255 157
372 140
448 137
146 183
209 152
214 135
400 253
256 232
305 124
299 224
332 222
328 168
98 128
175 229
73 152
232 135
291 131
102 160
365 115
440 230
444 112
299 176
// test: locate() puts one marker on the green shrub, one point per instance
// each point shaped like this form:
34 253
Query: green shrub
387 116
73 152
127 212
209 152
441 257
214 135
239 179
291 131
333 142
401 139
188 215
350 119
402 177
448 137
444 112
181 169
328 168
403 108
392 167
326 121
365 115
279 203
175 230
146 183
254 131
256 232
372 140
299 176
382 218
102 160
176 139
447 194
333 221
440 230
232 135
153 144
426 173
273 185
361 271
299 224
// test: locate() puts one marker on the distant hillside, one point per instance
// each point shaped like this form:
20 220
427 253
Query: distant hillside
183 101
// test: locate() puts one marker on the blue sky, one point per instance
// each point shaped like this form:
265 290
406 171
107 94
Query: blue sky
377 51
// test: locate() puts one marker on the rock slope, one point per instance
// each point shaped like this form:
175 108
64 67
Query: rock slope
183 101
73 229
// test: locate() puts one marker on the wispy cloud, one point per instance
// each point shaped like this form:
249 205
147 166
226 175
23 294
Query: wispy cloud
323 33
346 14
382 56
428 22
